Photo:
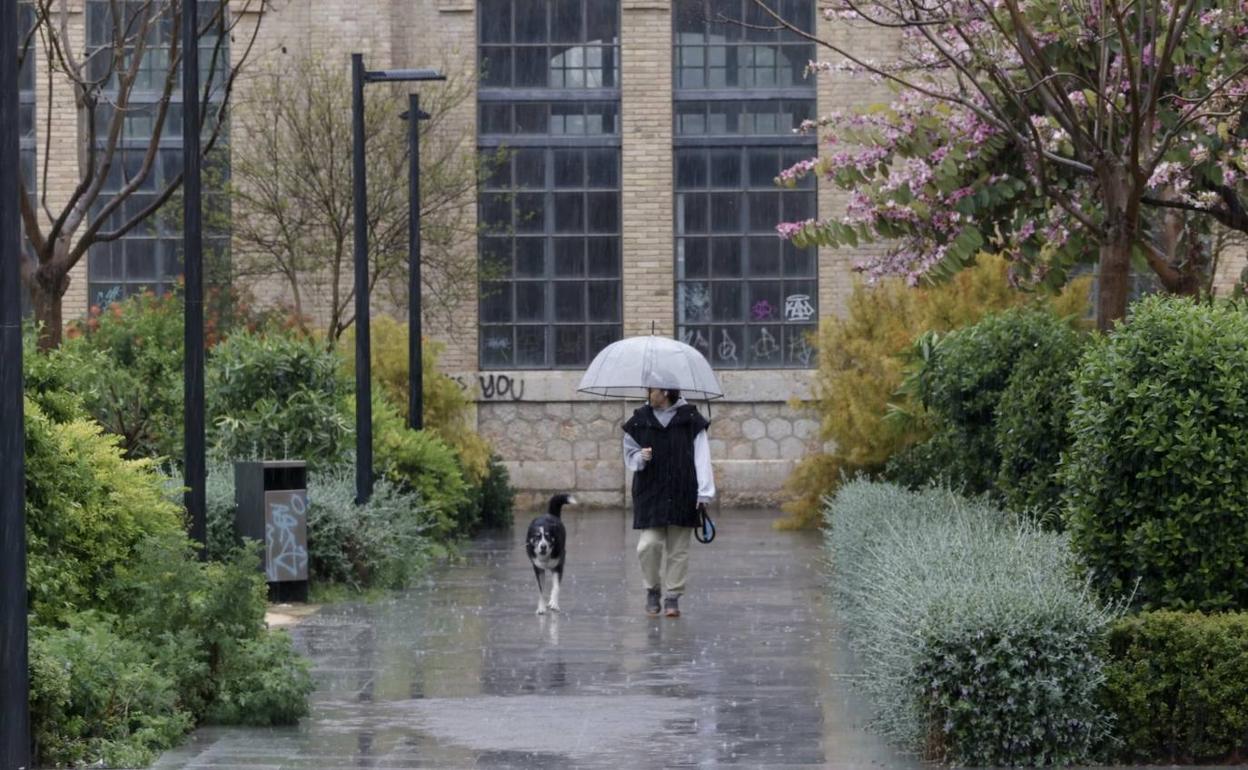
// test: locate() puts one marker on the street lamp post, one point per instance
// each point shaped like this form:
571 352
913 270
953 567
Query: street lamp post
415 362
363 380
14 676
195 470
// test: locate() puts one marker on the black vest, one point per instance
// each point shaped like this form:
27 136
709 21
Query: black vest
665 492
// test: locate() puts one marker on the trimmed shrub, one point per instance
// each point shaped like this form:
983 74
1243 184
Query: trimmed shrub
1156 476
862 362
962 381
495 497
979 648
1176 682
271 396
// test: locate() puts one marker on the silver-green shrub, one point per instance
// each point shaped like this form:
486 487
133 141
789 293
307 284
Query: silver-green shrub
382 544
979 646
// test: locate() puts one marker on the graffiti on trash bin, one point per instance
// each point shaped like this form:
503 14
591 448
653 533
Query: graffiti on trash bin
286 535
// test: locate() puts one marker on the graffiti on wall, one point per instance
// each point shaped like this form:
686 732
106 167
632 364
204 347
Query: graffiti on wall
493 387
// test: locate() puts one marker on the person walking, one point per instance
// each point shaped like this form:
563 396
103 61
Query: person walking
666 447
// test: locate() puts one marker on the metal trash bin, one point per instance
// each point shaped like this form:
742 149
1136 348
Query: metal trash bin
271 506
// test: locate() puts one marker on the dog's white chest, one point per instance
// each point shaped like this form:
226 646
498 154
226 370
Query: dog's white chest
545 562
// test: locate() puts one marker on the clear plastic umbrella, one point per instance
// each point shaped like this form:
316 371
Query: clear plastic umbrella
625 369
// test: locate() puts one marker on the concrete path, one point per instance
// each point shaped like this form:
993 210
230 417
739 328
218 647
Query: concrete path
460 672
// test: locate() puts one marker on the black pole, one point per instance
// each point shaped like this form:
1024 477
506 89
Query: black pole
363 382
14 676
415 369
195 471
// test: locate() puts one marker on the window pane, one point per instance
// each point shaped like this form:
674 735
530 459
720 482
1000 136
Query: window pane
726 168
495 213
531 118
496 346
530 301
725 258
603 256
569 301
603 20
765 346
764 256
727 346
799 301
693 302
604 301
698 337
764 301
567 118
530 169
566 21
569 212
530 21
691 212
603 167
725 212
569 345
496 302
799 206
495 18
764 167
496 119
600 337
531 346
530 257
798 347
798 263
727 301
604 212
531 67
764 211
495 67
496 257
697 257
690 169
530 209
569 257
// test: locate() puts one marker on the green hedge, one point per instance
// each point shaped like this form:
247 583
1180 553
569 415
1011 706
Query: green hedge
996 395
1178 683
1156 475
977 644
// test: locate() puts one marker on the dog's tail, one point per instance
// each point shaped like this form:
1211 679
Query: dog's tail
557 502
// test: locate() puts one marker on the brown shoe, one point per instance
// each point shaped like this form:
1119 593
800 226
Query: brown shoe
670 607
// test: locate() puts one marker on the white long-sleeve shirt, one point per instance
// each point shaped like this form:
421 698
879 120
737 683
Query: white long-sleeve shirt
701 454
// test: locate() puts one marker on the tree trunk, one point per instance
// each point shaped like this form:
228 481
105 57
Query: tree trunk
1114 282
49 280
46 292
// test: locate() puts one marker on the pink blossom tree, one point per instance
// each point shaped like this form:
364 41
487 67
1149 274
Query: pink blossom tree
1058 132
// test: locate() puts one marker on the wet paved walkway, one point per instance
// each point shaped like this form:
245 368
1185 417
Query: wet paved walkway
460 672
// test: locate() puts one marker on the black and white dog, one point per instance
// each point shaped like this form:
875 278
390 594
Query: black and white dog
545 544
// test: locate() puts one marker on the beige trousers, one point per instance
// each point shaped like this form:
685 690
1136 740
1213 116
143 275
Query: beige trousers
654 543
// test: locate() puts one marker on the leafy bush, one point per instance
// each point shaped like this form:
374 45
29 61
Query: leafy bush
381 544
448 408
420 461
862 361
1176 682
87 511
97 695
495 497
978 646
272 396
1156 477
961 381
133 639
126 363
